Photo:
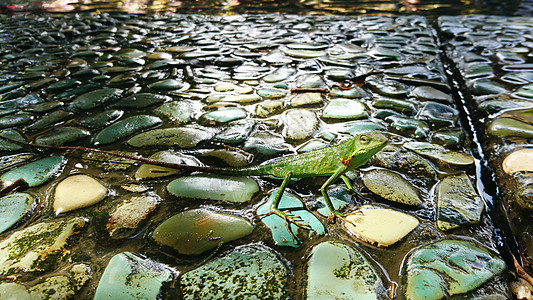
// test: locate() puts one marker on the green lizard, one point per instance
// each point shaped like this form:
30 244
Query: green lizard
332 161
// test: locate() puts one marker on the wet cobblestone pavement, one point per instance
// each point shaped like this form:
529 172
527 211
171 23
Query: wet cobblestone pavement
232 91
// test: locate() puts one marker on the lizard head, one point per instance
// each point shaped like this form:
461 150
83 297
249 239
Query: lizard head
365 145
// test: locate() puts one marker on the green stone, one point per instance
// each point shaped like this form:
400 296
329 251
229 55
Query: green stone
183 137
179 112
37 172
39 247
486 87
398 105
407 125
213 187
344 109
271 93
96 98
279 75
61 135
11 134
169 85
195 231
339 271
391 186
440 153
101 119
15 120
124 128
457 203
278 225
448 267
49 119
504 127
147 171
222 116
128 276
141 100
14 207
247 272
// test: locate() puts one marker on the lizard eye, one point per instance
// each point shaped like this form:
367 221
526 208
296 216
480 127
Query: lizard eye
364 139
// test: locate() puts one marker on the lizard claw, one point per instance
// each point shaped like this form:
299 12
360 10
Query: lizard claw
288 218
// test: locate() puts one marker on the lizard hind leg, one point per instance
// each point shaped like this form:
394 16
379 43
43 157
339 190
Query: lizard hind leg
285 215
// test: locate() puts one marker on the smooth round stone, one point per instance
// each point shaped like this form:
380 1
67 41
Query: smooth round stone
406 162
77 191
195 231
310 81
266 143
14 291
37 172
241 98
457 203
440 153
39 247
25 102
236 131
49 119
222 116
434 112
356 127
518 161
100 119
128 276
62 286
398 105
486 87
12 208
61 135
478 70
183 137
307 99
271 93
169 85
504 127
391 186
340 74
279 75
525 92
214 187
339 271
278 225
381 52
11 134
344 109
122 129
96 98
268 108
446 268
380 226
231 158
300 124
524 197
406 125
301 53
352 93
449 138
15 120
142 100
179 112
499 105
431 93
247 272
129 214
159 55
147 171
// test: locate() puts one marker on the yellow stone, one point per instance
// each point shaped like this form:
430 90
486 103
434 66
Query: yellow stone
518 161
381 226
76 192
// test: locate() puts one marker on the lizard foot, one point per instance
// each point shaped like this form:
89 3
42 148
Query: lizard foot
288 220
342 217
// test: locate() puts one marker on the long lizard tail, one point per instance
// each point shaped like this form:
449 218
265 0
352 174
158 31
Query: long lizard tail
228 171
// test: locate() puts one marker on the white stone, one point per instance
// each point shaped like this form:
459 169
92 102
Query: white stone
76 192
381 226
518 161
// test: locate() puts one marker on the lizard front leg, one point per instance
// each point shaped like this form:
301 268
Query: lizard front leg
323 189
274 208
